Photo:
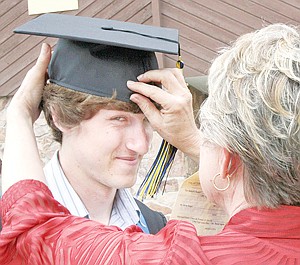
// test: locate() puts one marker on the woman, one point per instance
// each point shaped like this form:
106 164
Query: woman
250 165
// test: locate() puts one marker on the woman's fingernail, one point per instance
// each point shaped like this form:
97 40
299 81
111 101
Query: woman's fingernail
129 82
140 77
45 48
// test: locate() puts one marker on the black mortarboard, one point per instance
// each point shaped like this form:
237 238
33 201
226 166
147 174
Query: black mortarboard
98 56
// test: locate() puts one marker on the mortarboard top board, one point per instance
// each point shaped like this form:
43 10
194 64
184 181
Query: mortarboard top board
98 56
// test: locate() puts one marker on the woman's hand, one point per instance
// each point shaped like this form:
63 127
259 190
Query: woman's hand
26 100
175 120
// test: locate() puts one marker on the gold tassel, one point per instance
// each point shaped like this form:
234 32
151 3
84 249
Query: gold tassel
162 163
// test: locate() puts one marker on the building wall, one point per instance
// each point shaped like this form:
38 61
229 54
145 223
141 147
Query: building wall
204 27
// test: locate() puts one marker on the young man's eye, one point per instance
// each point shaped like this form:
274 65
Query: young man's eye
119 118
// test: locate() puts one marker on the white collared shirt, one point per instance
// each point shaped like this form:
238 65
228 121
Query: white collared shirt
125 211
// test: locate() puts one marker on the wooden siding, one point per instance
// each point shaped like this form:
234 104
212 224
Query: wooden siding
205 26
18 52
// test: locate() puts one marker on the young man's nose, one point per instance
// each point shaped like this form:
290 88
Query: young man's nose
139 140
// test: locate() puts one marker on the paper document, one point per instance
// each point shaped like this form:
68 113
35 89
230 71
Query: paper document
46 6
192 205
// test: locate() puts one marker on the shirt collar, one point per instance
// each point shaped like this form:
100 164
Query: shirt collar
61 188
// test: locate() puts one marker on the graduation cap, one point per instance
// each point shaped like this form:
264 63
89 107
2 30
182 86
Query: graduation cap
98 57
199 83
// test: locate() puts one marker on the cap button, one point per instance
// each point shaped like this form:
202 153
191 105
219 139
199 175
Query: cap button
107 28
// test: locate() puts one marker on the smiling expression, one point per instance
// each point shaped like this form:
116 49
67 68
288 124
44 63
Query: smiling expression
109 147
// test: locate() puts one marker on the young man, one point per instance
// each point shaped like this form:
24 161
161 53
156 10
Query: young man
103 135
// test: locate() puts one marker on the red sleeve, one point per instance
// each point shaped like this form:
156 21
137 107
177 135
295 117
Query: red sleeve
47 234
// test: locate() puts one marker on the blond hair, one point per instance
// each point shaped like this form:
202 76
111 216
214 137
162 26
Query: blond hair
253 110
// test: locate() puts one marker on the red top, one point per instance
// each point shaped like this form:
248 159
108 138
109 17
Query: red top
38 230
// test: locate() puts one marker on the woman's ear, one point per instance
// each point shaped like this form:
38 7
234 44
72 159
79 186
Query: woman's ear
230 163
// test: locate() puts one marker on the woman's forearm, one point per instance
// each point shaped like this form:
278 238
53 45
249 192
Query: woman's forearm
21 157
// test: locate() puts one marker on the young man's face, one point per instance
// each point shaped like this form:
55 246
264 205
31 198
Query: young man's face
109 147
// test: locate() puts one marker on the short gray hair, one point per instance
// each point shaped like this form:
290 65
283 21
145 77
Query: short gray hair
253 110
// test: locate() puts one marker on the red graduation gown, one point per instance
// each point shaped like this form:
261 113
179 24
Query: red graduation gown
38 230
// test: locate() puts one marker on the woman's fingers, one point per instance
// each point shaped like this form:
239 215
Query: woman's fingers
28 97
171 79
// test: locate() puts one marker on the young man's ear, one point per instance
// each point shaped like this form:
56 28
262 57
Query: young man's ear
56 121
230 163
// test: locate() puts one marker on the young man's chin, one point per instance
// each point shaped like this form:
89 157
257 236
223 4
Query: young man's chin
126 181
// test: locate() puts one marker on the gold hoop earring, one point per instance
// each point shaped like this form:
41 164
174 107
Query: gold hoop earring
221 189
